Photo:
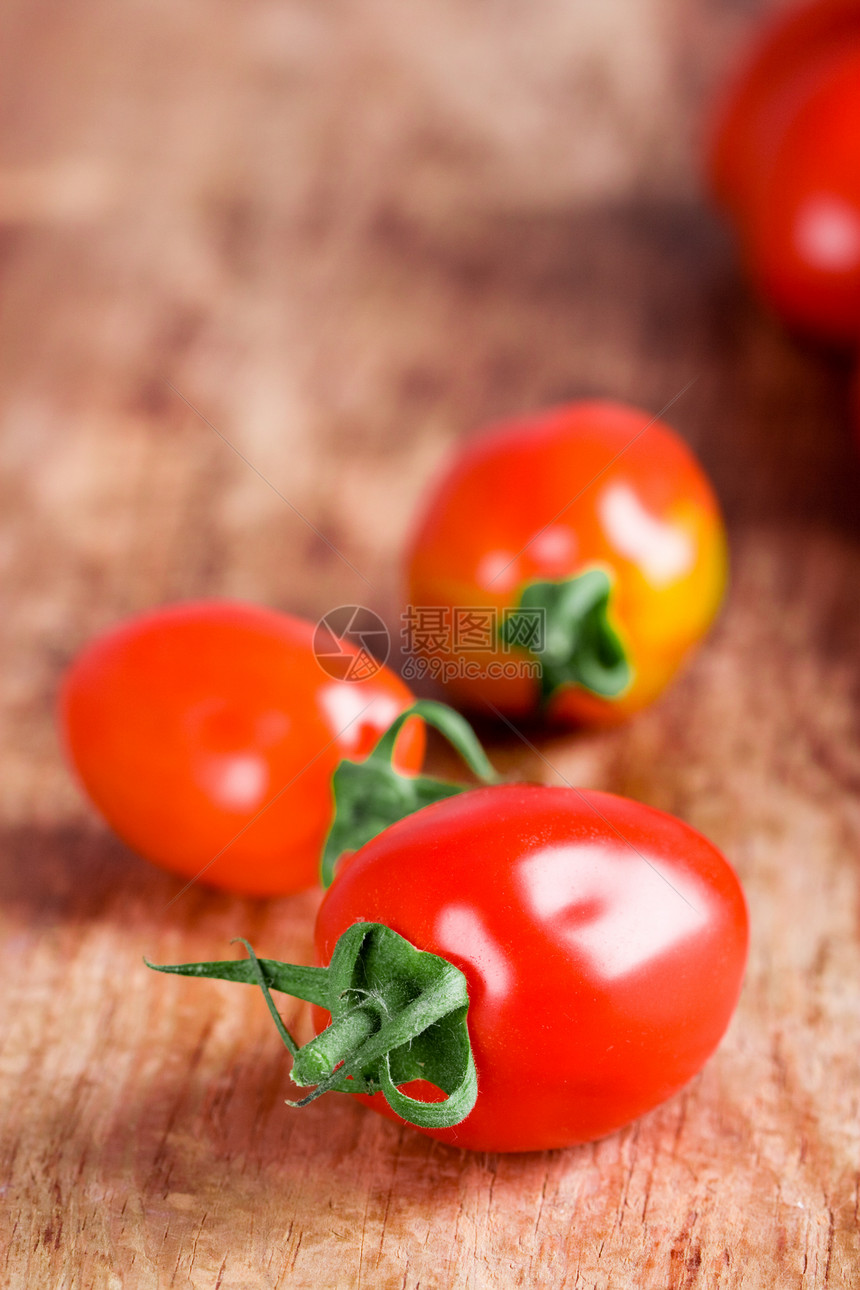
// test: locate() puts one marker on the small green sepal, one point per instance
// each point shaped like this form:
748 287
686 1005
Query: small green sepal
580 646
397 1014
371 795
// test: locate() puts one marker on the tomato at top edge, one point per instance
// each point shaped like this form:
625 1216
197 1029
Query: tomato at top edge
786 57
207 734
801 228
582 515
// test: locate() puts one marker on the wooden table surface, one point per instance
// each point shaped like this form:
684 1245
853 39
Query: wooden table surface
348 233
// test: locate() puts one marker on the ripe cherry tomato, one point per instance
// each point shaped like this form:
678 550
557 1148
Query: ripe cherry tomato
207 734
786 59
801 230
592 524
513 968
603 944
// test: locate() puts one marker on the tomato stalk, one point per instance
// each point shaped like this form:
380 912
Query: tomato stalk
397 1014
581 646
371 795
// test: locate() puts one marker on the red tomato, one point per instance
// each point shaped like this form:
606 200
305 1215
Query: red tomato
801 229
207 735
788 53
603 944
530 507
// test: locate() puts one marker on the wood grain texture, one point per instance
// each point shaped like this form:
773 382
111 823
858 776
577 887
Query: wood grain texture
348 233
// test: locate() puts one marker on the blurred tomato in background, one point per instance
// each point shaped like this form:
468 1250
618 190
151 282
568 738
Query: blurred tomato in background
591 525
785 163
207 735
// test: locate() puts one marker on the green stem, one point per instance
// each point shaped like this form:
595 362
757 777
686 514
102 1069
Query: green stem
371 795
332 1046
449 723
308 983
579 645
397 1014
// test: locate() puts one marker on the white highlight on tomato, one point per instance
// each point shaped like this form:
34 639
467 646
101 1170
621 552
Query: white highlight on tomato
350 709
827 234
662 551
459 930
498 571
556 545
611 905
238 780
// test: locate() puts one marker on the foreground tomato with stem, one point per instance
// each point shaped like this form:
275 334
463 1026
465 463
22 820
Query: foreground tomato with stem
590 538
207 735
516 967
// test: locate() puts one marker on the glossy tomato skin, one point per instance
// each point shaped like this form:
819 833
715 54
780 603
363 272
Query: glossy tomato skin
603 944
544 498
801 228
208 729
786 58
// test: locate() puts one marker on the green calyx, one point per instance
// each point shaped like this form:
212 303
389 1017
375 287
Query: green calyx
397 1014
371 795
580 645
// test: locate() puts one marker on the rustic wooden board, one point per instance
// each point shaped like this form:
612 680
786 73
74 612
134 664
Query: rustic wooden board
349 232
